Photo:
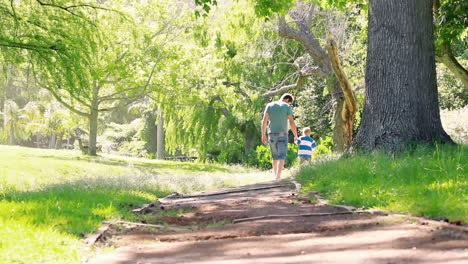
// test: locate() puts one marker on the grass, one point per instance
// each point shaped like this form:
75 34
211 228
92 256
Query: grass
50 199
429 182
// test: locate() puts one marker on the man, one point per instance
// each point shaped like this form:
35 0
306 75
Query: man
279 113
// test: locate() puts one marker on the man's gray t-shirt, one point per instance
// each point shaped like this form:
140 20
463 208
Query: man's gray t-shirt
278 112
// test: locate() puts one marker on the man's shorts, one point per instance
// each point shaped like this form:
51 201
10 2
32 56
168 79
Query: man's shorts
278 145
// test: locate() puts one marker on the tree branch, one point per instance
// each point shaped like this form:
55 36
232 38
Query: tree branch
26 46
310 43
112 97
225 111
447 57
60 100
298 86
129 101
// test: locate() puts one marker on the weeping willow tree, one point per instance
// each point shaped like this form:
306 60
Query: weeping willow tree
214 100
58 37
92 59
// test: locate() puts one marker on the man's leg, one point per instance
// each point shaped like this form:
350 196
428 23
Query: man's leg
275 167
279 169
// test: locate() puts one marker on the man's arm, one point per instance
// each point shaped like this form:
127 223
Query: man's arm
266 116
293 126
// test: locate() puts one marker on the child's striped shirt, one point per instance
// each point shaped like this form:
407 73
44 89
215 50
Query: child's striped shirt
306 144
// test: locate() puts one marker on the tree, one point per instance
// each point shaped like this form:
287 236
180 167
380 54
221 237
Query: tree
304 34
401 102
56 36
14 119
121 70
226 60
321 63
450 21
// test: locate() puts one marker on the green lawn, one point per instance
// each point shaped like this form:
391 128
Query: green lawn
50 199
430 182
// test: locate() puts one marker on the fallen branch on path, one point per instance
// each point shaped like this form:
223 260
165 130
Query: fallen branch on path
148 225
90 240
227 192
93 238
263 217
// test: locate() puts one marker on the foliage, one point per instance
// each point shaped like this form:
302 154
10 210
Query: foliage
452 24
3 136
14 120
261 158
425 181
124 139
54 38
215 99
313 108
50 199
324 147
232 153
452 93
455 122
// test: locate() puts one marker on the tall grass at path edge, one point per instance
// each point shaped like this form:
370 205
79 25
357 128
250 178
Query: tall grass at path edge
428 181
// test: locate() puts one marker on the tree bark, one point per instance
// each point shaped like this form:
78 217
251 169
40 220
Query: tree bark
93 122
449 60
339 133
11 137
151 132
58 141
160 153
349 107
52 139
401 103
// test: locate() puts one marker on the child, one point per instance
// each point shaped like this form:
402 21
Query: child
306 146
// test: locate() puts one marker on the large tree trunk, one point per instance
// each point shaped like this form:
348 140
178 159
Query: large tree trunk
11 136
161 139
52 139
401 102
151 132
58 141
349 107
93 127
339 131
93 121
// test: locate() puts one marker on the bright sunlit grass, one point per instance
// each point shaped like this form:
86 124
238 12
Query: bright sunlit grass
50 199
424 182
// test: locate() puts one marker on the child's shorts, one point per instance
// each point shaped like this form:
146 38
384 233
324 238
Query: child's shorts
278 145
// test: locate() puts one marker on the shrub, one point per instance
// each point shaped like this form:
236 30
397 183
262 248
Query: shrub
455 123
261 158
323 146
232 153
3 136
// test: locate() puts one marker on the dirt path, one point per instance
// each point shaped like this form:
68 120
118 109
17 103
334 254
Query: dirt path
270 223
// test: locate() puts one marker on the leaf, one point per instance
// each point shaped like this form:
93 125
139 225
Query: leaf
364 7
325 91
207 8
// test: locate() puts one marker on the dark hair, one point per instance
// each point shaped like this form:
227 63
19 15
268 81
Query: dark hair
288 96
